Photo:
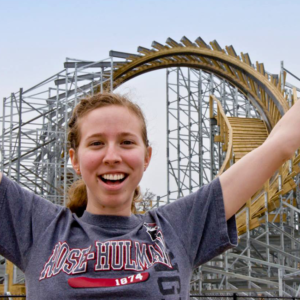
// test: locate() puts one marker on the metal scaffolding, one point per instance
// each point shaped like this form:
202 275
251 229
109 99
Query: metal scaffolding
34 153
193 158
34 130
267 259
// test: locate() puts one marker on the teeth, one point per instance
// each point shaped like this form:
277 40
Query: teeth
113 176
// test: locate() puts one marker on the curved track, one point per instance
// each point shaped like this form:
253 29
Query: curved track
240 136
265 92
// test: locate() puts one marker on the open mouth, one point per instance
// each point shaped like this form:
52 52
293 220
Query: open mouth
113 178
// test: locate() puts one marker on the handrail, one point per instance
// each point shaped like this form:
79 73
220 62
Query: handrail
225 131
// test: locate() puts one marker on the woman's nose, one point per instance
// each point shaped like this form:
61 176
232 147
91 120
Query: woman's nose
112 155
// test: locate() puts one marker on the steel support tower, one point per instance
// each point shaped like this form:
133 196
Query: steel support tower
193 158
257 266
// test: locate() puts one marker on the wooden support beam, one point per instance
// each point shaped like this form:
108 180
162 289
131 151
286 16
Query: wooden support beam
14 289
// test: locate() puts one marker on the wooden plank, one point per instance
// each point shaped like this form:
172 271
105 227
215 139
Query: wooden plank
245 120
271 108
247 128
246 139
218 139
241 76
241 132
173 43
260 68
228 69
14 289
246 58
239 147
279 85
144 50
252 86
273 219
295 99
230 50
297 160
159 46
215 45
187 42
216 64
262 95
200 42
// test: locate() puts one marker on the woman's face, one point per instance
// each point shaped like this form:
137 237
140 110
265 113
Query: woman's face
111 158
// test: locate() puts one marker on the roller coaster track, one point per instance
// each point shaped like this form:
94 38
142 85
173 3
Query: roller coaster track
240 136
34 148
265 91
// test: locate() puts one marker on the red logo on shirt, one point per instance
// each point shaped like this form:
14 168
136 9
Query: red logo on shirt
115 255
86 282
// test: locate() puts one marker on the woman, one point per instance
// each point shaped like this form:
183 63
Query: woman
108 252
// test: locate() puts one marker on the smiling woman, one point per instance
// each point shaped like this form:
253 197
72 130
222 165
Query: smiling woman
103 250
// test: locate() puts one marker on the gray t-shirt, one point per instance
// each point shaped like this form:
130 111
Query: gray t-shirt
147 256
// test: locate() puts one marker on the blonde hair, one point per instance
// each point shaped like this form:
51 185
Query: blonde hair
77 195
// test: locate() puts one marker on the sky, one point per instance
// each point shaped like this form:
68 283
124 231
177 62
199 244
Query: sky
37 36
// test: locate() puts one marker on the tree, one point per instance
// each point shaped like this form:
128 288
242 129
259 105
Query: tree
147 201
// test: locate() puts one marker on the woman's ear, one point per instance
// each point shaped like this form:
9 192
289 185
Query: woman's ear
147 157
74 161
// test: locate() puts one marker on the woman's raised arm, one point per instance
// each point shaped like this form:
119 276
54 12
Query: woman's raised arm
248 175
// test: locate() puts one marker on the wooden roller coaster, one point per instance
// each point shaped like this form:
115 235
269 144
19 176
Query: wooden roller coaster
237 136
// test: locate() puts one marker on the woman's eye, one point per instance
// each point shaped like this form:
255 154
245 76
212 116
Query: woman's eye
96 143
127 142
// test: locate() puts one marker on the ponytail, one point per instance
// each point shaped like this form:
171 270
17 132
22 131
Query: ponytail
137 197
78 198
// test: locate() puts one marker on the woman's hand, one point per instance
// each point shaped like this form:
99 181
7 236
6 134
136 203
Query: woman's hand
287 131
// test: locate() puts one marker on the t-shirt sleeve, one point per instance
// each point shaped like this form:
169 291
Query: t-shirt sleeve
200 223
24 216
